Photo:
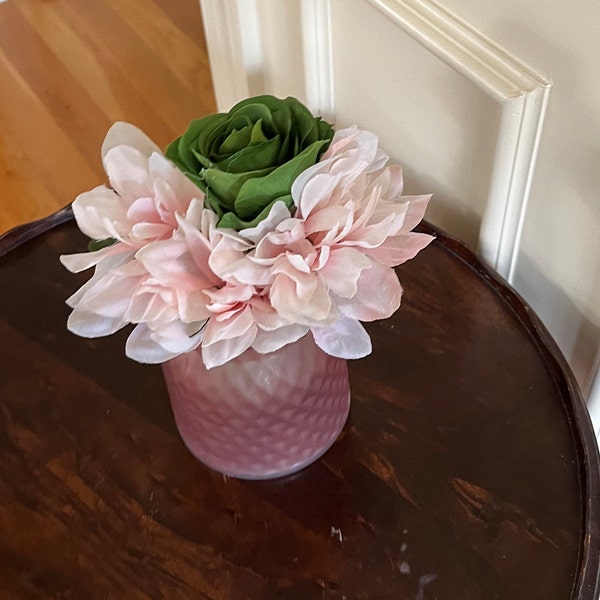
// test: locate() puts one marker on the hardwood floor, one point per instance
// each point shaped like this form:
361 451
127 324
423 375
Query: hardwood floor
69 69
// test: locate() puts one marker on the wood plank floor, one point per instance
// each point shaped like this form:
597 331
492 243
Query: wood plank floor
69 69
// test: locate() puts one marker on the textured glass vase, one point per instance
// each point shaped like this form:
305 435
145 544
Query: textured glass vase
260 416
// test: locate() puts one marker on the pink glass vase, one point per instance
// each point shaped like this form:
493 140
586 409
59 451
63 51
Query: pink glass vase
260 416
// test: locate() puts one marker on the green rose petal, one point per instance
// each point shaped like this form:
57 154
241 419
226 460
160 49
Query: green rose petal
249 115
212 201
252 158
238 138
226 186
256 193
248 158
258 137
199 181
180 151
232 221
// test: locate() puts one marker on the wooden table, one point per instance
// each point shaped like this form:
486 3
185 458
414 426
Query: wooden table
468 468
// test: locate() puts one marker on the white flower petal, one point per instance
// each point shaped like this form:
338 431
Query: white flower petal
223 350
91 325
147 346
278 213
104 266
346 338
141 347
174 187
178 337
83 260
269 341
127 170
98 213
126 134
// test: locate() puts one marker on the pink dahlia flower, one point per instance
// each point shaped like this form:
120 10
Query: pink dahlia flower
353 212
147 202
322 266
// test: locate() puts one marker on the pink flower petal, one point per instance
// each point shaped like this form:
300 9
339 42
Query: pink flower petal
192 306
278 213
400 248
269 341
228 260
343 270
303 300
345 139
231 294
378 295
234 327
152 305
224 341
416 211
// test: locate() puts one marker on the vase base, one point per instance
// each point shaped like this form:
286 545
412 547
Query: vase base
260 416
270 467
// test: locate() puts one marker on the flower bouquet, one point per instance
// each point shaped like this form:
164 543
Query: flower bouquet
257 232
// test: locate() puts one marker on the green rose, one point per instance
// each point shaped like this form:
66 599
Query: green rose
247 159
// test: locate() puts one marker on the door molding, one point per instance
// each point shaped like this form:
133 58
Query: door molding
591 392
521 92
227 57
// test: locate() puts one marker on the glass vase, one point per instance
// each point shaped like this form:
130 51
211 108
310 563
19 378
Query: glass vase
260 416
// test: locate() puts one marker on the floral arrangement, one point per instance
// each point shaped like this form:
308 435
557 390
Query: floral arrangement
254 228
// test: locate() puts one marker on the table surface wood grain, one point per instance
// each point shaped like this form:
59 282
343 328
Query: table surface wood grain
468 467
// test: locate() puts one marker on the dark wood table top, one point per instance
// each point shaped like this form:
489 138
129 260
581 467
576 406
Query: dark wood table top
468 468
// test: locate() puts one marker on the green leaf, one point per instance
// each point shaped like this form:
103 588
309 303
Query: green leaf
94 245
305 122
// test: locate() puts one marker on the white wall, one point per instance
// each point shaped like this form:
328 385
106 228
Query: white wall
458 98
558 270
